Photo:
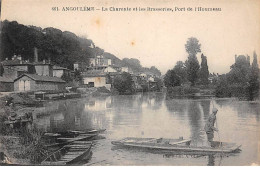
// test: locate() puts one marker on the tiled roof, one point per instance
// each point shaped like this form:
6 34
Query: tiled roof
42 78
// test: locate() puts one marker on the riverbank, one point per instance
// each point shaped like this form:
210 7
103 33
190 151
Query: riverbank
23 145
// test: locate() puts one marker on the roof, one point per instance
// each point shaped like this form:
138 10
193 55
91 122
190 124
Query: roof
55 67
6 79
94 75
15 62
42 78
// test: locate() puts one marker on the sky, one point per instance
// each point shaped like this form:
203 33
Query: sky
155 38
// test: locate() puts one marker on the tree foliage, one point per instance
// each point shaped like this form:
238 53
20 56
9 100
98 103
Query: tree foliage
192 48
1 69
133 63
171 79
181 70
155 71
124 83
242 81
253 87
66 77
77 76
204 71
239 73
63 48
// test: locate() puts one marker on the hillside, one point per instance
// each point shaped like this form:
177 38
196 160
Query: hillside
62 47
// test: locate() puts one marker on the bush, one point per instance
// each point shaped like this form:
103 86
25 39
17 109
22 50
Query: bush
182 90
124 83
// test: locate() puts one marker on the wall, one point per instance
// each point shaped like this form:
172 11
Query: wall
10 72
6 86
23 79
110 69
39 85
49 86
57 73
44 70
92 62
98 81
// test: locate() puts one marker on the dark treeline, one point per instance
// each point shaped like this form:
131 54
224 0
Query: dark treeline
242 81
62 48
189 72
191 77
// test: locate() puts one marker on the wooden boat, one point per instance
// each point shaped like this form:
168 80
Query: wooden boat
71 154
74 133
92 131
81 137
175 145
62 141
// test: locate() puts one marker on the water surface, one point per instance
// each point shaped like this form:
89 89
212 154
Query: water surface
151 115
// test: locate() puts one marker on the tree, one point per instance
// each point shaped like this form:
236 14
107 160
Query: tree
155 71
66 77
124 83
133 63
180 70
253 85
1 69
192 48
240 71
171 79
77 76
204 71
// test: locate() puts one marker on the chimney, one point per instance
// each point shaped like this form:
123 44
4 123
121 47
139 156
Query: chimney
49 60
43 61
35 54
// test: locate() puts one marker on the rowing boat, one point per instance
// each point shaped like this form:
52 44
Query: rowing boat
81 137
71 154
74 133
175 145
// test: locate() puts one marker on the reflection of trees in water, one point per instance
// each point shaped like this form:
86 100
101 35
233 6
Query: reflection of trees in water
154 100
178 107
127 108
72 113
197 112
211 160
223 102
195 119
205 104
246 109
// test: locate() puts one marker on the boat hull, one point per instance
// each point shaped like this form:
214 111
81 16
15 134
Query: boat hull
176 146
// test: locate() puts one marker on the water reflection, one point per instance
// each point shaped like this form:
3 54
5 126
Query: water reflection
150 115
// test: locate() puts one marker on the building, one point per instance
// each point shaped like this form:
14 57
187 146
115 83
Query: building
59 71
44 68
33 82
127 69
99 61
6 84
16 67
96 80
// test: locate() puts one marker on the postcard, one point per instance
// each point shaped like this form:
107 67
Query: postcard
129 83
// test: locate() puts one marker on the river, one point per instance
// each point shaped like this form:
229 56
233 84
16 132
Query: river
151 115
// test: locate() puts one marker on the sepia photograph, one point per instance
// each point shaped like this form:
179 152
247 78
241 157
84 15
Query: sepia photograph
129 83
